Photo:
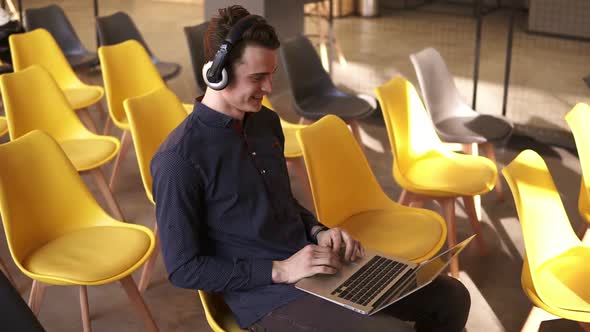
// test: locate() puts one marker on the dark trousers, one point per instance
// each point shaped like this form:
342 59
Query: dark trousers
441 306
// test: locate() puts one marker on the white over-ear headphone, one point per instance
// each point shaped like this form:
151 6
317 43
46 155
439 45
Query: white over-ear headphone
215 85
214 72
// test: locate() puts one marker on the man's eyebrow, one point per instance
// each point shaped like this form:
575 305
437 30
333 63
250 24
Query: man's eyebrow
265 72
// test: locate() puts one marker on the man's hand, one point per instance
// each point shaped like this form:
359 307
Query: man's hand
306 262
337 238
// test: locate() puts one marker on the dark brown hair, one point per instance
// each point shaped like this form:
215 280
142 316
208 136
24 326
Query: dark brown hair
260 34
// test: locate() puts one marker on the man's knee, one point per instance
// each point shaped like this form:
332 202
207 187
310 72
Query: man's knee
456 296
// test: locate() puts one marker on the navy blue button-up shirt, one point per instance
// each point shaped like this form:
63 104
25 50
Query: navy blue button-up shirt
225 209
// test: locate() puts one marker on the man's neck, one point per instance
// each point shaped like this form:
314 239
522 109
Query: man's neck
215 101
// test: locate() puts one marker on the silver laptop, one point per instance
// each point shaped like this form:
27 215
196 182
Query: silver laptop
377 281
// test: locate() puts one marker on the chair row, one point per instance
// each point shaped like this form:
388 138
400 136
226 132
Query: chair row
132 78
111 30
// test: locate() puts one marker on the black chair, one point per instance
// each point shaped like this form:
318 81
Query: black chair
53 19
119 27
314 93
15 314
194 37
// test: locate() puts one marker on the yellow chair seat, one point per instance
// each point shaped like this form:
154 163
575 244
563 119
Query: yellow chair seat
408 233
564 280
292 147
90 153
464 175
83 96
527 285
3 126
90 256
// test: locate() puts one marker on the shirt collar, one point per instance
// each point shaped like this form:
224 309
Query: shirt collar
211 117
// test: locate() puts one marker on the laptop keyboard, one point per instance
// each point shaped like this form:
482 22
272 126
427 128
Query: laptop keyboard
369 280
405 283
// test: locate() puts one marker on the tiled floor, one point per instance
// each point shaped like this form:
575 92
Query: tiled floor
547 82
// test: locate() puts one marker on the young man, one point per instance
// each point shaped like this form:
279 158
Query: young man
228 221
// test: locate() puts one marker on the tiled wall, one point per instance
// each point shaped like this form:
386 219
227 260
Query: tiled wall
563 17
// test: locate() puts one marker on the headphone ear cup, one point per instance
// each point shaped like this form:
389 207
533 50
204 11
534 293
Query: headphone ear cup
215 85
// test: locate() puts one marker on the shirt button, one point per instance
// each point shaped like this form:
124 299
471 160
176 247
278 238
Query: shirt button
263 171
253 153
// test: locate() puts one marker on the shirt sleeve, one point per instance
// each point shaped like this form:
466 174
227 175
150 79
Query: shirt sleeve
180 207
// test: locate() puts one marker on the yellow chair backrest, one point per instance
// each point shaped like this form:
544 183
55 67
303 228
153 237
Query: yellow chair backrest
409 127
33 100
341 179
545 226
38 47
578 118
127 71
39 186
152 117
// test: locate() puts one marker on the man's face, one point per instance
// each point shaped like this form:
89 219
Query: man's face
252 79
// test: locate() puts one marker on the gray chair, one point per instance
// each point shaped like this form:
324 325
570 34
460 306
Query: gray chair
454 120
119 27
314 93
53 19
194 37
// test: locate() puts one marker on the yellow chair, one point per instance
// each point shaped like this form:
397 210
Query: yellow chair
3 126
127 71
38 47
3 131
50 111
577 119
346 194
151 118
218 314
424 168
555 273
57 233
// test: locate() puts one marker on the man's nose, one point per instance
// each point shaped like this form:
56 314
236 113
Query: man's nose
267 85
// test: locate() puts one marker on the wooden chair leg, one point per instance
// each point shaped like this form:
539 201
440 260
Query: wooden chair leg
473 149
87 120
297 166
104 114
108 126
409 198
448 205
405 198
137 301
475 224
417 204
490 153
125 140
102 185
148 267
85 310
36 296
4 268
305 121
